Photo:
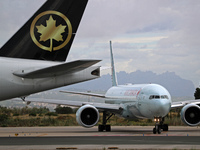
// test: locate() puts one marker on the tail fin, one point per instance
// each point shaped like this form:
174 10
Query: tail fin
47 35
114 76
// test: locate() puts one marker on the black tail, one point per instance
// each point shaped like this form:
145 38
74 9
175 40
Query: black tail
47 35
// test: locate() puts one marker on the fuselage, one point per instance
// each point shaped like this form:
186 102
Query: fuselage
140 100
13 86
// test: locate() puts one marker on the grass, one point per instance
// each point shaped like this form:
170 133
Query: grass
70 120
45 118
38 120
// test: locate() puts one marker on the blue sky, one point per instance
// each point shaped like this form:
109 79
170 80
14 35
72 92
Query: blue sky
154 35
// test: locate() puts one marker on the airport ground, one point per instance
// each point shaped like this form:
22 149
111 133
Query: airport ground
121 137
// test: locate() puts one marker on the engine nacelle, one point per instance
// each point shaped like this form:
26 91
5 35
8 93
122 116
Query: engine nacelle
190 115
87 116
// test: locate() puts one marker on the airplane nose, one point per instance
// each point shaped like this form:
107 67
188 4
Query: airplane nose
162 107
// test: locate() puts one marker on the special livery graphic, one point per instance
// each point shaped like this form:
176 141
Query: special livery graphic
49 33
52 33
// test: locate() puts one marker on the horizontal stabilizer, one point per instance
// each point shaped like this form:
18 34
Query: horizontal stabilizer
84 93
60 69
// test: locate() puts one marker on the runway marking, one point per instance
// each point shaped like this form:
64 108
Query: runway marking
142 135
66 148
72 131
42 135
118 135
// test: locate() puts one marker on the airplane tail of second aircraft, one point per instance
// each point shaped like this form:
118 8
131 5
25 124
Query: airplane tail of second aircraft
113 73
49 33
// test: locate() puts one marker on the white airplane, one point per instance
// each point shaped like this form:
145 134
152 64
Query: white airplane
33 60
139 101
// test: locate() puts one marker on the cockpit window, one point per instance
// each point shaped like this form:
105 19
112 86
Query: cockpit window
166 97
151 97
158 97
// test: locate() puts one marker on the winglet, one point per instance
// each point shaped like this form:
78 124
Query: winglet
114 76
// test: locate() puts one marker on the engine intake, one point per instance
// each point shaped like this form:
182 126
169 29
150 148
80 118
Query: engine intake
190 115
87 116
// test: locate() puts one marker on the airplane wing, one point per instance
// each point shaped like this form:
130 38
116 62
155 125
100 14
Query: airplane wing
99 106
183 103
60 69
84 93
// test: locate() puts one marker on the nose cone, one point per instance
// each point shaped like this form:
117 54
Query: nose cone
154 101
161 107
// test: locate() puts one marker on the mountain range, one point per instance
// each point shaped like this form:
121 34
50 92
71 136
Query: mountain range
177 86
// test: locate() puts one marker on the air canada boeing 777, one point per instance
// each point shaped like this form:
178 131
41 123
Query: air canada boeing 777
139 101
33 60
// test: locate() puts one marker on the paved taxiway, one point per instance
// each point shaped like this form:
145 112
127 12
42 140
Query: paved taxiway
139 137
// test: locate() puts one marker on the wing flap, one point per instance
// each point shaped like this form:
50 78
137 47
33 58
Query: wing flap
60 69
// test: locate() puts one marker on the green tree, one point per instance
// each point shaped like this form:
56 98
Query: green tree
63 110
3 117
197 93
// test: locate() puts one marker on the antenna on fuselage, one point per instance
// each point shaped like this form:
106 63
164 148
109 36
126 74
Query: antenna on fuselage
113 73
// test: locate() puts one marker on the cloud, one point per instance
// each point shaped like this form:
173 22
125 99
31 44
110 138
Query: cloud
13 14
147 35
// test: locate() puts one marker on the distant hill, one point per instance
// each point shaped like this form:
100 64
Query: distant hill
174 84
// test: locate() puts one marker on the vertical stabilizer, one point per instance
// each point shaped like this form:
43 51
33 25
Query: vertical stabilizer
113 73
49 33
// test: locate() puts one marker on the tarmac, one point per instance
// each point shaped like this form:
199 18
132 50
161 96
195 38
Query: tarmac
121 137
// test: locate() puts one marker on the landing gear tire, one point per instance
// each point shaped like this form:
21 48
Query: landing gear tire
154 130
160 126
165 127
108 128
157 129
102 128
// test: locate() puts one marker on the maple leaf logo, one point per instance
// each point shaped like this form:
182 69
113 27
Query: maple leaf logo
51 32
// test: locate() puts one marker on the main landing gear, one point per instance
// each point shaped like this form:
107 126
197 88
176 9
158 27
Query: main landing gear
103 126
159 125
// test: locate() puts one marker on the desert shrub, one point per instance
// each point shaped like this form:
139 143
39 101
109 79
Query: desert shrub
51 114
3 117
33 114
63 110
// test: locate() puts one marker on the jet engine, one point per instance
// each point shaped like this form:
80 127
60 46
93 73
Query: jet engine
190 115
87 116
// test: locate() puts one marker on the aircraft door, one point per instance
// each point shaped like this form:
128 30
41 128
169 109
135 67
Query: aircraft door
140 99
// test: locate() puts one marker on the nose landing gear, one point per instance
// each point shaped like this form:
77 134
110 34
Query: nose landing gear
159 125
157 129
